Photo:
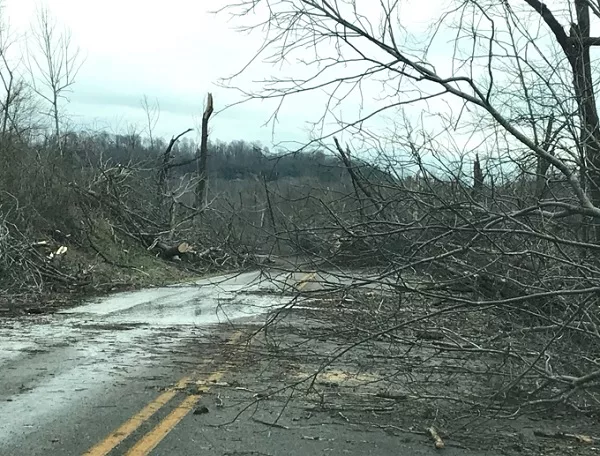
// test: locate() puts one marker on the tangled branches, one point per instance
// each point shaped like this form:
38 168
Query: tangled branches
483 198
28 266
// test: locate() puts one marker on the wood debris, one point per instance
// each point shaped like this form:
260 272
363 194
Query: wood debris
581 438
439 443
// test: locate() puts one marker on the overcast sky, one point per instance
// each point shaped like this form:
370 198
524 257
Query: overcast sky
176 51
173 51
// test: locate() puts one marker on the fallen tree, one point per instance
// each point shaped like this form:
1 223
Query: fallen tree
487 205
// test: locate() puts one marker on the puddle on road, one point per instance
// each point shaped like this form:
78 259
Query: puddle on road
108 326
195 308
208 302
134 320
136 325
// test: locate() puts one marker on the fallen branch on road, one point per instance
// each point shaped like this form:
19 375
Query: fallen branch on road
266 423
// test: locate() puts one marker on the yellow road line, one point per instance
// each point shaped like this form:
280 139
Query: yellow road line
307 278
129 427
150 441
155 436
147 443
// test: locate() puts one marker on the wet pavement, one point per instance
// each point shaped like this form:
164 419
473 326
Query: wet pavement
56 369
69 380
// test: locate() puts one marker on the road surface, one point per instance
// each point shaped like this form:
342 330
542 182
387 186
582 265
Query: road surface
144 373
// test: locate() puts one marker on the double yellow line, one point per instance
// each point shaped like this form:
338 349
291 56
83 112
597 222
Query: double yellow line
149 441
153 437
160 431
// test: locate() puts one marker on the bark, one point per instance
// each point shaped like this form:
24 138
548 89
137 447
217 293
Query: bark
203 155
163 173
170 251
543 164
477 175
576 47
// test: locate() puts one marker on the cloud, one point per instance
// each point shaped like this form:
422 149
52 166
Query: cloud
177 51
174 51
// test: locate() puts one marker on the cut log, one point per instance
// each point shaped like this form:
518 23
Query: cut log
170 251
57 256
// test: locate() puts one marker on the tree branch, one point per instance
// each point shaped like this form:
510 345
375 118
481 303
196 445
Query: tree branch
559 32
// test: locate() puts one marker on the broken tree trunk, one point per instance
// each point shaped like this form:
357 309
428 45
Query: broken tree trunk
163 172
271 213
541 183
356 181
203 155
477 175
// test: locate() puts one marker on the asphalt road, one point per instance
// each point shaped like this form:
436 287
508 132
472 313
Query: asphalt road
144 373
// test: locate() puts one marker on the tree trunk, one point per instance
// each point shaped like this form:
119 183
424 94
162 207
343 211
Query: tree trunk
576 47
477 176
163 174
203 152
584 92
57 122
170 251
542 164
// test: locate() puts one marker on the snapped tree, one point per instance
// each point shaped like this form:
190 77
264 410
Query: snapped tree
507 87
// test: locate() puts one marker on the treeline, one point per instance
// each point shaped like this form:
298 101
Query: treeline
238 159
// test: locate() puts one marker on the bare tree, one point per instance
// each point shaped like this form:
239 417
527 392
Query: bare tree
202 158
513 82
152 111
53 64
166 165
16 104
12 86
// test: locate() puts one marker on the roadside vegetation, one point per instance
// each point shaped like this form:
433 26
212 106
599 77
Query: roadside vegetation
87 211
483 216
480 213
